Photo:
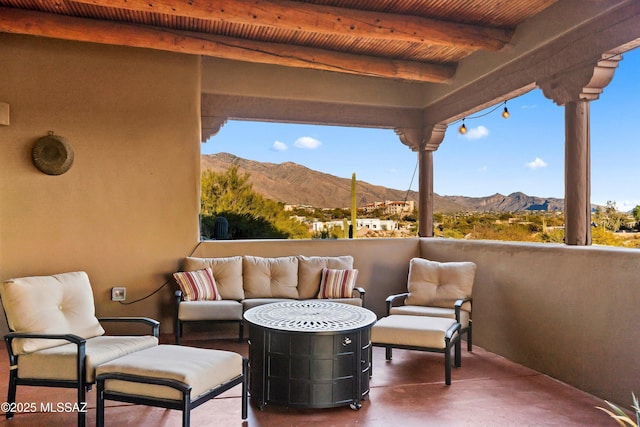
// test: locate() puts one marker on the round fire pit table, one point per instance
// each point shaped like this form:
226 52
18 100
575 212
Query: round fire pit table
309 354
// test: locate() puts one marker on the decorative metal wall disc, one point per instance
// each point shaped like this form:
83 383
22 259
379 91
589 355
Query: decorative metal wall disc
52 155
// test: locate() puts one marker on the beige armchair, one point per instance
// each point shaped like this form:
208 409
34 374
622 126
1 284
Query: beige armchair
55 338
438 289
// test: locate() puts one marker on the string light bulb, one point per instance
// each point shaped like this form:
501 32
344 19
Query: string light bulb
462 129
505 112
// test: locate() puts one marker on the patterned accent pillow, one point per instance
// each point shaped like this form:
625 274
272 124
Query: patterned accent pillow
198 285
337 283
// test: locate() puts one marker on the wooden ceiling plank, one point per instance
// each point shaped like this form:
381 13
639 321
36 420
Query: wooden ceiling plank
17 21
299 16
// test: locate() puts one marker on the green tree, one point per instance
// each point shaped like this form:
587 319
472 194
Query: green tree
609 218
636 213
250 215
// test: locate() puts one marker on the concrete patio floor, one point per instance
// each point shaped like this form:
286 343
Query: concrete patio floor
487 390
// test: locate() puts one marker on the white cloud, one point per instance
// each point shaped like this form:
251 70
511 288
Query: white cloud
536 164
279 146
307 142
626 205
477 133
483 169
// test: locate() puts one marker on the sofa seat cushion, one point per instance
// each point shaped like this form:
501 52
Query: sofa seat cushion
59 362
210 310
255 302
202 369
310 272
418 310
352 301
58 304
415 331
270 277
227 272
439 284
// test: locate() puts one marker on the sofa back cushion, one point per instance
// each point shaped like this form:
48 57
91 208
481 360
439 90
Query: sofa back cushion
310 272
227 273
270 277
58 304
439 284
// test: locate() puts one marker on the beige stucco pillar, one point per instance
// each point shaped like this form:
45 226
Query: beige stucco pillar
577 173
574 90
425 141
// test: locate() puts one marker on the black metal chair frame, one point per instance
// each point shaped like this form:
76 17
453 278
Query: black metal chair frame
452 336
80 383
468 330
180 323
185 404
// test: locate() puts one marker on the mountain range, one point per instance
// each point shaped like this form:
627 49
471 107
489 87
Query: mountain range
294 184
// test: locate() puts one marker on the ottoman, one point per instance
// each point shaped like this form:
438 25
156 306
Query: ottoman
436 334
170 376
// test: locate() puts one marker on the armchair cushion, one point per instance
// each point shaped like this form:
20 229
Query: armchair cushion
337 283
270 277
439 284
419 310
310 272
58 304
198 285
227 272
59 362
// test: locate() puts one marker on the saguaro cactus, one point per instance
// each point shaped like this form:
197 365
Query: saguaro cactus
352 229
221 228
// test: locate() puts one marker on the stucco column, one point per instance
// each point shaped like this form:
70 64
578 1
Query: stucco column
577 174
425 141
425 194
575 89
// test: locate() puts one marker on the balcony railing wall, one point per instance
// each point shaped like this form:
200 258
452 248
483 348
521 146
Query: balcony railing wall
566 311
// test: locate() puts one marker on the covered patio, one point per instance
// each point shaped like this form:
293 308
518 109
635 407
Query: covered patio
487 391
135 86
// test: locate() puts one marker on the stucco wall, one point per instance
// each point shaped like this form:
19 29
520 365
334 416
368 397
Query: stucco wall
383 264
567 311
128 208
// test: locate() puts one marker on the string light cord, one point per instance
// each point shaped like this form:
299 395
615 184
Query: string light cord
406 197
505 114
161 286
480 115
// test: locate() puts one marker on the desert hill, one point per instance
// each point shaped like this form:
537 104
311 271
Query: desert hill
294 184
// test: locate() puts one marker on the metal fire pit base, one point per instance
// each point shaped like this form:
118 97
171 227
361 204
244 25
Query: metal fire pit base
309 354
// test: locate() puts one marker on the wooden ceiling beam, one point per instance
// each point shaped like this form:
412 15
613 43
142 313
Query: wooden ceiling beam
298 16
18 21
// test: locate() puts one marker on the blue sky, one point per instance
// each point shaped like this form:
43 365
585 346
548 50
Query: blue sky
523 153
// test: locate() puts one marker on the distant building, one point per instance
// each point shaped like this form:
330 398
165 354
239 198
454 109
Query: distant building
370 223
390 207
307 208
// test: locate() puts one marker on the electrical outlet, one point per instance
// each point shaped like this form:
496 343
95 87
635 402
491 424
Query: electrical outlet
118 294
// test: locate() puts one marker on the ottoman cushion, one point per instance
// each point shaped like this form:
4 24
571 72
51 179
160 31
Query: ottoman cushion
202 369
417 331
418 310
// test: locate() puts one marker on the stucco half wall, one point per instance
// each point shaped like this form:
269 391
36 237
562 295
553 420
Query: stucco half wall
383 264
568 311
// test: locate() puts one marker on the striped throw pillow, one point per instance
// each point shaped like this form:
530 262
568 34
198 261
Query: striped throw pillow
198 285
337 283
